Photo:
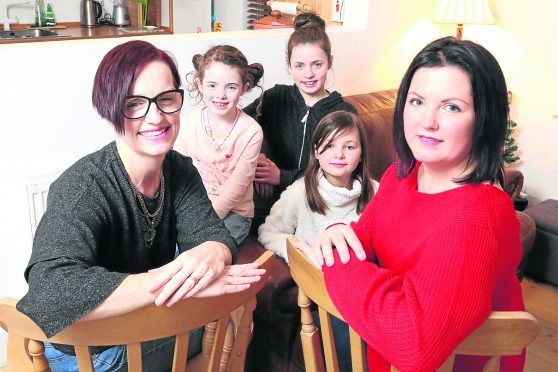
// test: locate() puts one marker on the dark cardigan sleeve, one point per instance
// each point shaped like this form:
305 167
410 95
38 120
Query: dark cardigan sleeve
65 282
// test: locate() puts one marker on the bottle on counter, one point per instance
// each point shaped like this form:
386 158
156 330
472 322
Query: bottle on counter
40 13
50 19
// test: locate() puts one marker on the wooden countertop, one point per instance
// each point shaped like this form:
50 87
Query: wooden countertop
73 31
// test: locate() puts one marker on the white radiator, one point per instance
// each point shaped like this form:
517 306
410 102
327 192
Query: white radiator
37 192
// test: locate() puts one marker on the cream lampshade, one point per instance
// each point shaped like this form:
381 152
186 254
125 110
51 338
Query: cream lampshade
463 12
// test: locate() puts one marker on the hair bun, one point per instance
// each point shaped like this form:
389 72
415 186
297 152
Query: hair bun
308 20
257 71
197 60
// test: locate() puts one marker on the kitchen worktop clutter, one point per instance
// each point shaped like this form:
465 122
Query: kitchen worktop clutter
92 14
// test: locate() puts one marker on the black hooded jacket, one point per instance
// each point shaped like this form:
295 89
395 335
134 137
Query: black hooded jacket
288 125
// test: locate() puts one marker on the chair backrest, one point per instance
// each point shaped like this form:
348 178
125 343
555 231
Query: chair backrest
503 333
25 338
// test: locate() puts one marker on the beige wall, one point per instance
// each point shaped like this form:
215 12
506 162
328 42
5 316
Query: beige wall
524 43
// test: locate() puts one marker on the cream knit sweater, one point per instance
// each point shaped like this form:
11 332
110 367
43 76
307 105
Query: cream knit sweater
291 215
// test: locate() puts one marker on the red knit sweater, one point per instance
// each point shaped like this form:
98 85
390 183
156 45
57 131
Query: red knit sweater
445 261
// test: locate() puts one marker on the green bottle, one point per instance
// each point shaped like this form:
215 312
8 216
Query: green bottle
40 13
49 16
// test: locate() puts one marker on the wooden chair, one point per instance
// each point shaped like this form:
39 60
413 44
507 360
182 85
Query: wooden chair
224 346
503 333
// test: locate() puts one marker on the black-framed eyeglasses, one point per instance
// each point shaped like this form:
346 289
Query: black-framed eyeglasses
168 102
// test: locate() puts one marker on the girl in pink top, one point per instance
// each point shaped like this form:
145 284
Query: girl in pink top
224 142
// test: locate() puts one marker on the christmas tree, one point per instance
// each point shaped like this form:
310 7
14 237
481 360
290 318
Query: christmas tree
510 147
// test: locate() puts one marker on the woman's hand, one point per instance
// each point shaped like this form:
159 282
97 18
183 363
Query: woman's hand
234 278
190 272
267 171
341 237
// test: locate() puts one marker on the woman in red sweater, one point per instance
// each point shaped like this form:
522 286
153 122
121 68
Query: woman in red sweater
443 232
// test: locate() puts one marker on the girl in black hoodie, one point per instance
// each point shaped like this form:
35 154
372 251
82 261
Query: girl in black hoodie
289 114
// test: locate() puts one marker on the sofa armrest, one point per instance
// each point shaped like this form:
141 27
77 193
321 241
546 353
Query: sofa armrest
513 182
277 301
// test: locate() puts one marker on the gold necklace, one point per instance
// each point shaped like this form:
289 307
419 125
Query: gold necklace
209 131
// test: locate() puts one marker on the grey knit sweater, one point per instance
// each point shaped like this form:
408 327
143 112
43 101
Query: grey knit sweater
91 235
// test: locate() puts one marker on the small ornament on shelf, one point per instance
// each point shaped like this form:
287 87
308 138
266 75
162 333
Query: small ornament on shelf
49 16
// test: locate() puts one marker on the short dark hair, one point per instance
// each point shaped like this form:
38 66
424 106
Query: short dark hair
490 100
335 124
116 73
309 29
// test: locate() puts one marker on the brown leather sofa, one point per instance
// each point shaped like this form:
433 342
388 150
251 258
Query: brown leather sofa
277 316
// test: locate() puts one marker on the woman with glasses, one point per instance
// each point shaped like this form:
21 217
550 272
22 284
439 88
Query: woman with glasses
106 243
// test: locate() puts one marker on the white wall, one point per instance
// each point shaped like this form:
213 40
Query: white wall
48 122
189 14
231 14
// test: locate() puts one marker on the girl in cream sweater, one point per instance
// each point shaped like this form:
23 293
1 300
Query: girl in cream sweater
336 186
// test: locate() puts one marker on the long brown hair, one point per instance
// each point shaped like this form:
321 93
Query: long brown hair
336 124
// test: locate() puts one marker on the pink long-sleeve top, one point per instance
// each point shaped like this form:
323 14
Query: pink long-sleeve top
227 172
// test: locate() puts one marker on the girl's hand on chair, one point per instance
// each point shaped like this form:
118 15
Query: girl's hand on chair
190 272
308 252
234 278
341 237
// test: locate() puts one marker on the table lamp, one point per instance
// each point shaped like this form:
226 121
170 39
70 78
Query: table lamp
463 12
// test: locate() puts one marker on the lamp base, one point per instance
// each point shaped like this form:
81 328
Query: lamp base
459 33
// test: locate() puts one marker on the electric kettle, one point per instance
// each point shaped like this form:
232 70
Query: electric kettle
90 12
120 16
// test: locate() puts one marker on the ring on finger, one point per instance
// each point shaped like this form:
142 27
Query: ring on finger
195 279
